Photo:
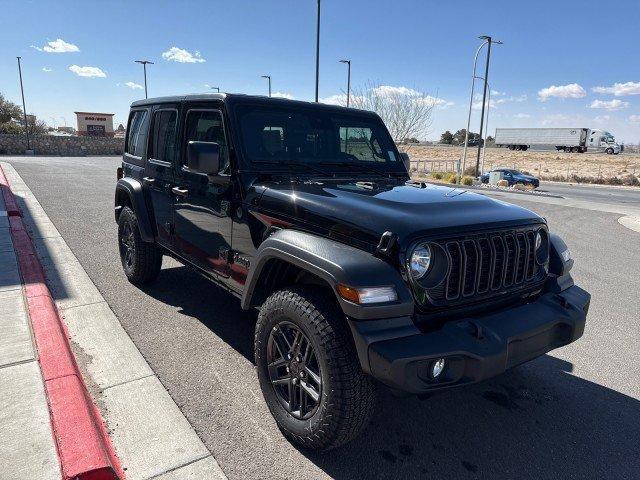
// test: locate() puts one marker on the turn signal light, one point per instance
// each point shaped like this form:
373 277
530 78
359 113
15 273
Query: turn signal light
367 295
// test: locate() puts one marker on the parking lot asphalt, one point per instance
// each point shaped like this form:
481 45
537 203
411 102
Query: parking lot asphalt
574 413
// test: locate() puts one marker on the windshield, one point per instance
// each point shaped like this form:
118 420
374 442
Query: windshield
315 136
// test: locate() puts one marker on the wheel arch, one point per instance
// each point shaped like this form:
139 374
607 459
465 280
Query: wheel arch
129 193
291 257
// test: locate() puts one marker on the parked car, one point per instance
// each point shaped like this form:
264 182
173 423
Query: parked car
360 276
513 177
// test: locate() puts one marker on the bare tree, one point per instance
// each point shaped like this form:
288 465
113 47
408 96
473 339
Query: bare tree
407 113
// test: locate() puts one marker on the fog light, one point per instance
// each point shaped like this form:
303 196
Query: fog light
437 367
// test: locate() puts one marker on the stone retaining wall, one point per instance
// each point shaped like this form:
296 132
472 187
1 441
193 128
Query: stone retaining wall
62 146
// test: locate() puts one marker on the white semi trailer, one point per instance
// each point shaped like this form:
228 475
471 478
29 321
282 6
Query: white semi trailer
567 139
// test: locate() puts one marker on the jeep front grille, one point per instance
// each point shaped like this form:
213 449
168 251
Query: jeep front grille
486 265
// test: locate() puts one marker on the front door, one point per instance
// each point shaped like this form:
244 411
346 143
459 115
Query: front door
201 204
158 176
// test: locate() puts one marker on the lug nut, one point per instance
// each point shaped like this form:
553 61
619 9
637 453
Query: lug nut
287 369
295 381
301 374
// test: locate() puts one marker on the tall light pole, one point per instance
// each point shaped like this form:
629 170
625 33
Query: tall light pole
144 66
268 77
24 108
486 41
217 89
484 98
484 141
348 62
317 50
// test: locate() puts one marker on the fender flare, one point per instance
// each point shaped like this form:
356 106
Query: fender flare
334 263
132 188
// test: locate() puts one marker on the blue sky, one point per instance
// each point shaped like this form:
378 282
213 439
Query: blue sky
563 63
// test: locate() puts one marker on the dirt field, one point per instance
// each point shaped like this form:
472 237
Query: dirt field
548 165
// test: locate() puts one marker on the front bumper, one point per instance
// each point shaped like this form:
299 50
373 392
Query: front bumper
398 354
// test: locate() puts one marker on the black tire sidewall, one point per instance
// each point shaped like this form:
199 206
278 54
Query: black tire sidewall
127 216
265 324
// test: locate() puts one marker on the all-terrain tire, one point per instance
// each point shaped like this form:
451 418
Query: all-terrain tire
348 395
144 261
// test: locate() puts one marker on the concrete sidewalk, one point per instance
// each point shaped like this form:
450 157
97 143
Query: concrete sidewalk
27 446
150 435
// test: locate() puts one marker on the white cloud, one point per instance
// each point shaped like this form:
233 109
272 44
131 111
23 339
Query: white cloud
573 90
522 115
602 118
620 89
282 95
556 119
133 85
57 46
179 55
609 105
87 71
47 69
436 102
338 99
634 118
389 91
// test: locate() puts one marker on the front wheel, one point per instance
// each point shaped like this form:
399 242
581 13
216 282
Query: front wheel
609 151
141 261
308 369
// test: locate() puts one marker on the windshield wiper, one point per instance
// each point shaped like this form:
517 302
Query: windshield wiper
289 163
363 167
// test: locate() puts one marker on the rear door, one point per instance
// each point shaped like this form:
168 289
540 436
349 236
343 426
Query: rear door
201 204
159 176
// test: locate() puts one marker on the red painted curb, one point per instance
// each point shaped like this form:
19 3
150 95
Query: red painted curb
82 440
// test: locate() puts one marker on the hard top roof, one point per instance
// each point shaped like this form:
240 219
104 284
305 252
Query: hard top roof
241 98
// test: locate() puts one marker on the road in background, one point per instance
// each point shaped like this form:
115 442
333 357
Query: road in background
594 193
571 414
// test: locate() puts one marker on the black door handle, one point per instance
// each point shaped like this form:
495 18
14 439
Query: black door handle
181 192
148 180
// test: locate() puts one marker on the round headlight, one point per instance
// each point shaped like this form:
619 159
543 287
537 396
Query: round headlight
541 246
420 261
538 241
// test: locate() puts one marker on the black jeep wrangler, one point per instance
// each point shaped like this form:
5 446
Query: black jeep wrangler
307 212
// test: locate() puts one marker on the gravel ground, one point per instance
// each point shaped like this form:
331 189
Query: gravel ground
572 414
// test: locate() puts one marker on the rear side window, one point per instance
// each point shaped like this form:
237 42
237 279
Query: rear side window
163 146
136 136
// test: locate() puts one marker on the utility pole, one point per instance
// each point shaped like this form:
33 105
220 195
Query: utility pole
24 108
268 77
317 50
348 62
144 66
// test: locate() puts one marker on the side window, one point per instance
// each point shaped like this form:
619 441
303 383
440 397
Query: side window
207 126
164 140
136 135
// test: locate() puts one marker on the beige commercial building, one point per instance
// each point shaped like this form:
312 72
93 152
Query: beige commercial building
95 124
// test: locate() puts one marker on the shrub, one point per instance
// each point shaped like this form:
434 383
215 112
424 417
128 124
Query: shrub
467 180
437 175
471 170
452 178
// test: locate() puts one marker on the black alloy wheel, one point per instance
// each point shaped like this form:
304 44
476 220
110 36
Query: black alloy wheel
127 245
294 370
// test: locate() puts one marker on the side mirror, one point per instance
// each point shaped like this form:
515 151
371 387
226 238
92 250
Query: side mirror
203 157
406 160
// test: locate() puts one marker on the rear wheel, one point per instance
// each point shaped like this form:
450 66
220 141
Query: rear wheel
141 261
524 148
308 369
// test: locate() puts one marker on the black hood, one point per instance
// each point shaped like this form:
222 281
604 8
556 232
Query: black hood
362 211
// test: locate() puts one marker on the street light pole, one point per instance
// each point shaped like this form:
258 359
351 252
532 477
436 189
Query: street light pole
268 77
348 62
217 89
144 66
484 98
466 135
24 108
484 141
317 50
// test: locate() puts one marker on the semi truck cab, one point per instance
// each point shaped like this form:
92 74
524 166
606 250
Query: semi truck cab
603 141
